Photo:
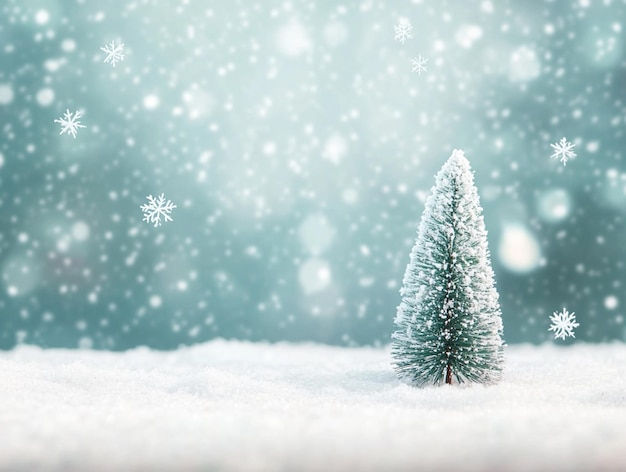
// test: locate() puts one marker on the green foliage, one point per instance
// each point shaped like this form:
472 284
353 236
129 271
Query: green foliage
449 322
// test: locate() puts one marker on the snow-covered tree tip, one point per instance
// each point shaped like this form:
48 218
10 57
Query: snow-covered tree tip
449 323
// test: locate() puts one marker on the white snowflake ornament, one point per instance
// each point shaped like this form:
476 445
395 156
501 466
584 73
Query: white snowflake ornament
563 324
563 150
70 123
114 53
157 207
419 64
403 31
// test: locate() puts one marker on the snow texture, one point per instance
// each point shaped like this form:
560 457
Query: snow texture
403 31
236 406
418 64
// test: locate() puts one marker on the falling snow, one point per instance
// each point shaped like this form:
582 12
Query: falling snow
70 123
114 53
403 31
563 150
563 324
419 64
157 208
308 137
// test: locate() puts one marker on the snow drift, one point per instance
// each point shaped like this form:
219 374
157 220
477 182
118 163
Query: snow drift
254 407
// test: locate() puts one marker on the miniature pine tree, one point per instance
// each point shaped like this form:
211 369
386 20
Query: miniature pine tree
449 323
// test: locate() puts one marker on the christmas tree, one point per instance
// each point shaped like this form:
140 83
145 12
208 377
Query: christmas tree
449 321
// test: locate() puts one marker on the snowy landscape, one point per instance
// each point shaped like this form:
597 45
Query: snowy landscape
236 406
207 208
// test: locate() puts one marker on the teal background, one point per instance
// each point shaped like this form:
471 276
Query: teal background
299 148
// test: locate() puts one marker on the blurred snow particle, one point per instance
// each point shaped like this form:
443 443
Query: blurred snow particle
150 102
350 196
316 234
519 250
611 302
418 64
42 17
252 251
335 33
6 94
614 189
85 343
366 281
80 231
63 243
335 148
403 30
554 205
487 6
314 275
198 102
155 301
592 146
491 192
1 159
54 65
68 45
293 39
45 97
467 35
20 274
269 148
421 196
524 65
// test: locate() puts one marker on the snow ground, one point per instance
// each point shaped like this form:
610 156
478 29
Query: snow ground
241 406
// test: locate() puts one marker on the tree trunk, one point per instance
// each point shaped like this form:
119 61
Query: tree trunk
449 374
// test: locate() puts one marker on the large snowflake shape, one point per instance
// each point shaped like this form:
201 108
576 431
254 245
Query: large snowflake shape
563 151
403 31
155 208
70 122
419 64
114 53
563 324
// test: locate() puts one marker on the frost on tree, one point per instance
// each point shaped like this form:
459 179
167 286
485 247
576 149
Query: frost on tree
448 323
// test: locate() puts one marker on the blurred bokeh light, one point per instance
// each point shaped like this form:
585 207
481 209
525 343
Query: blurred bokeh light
299 148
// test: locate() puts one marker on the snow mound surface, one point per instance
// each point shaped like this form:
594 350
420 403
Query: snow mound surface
259 407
